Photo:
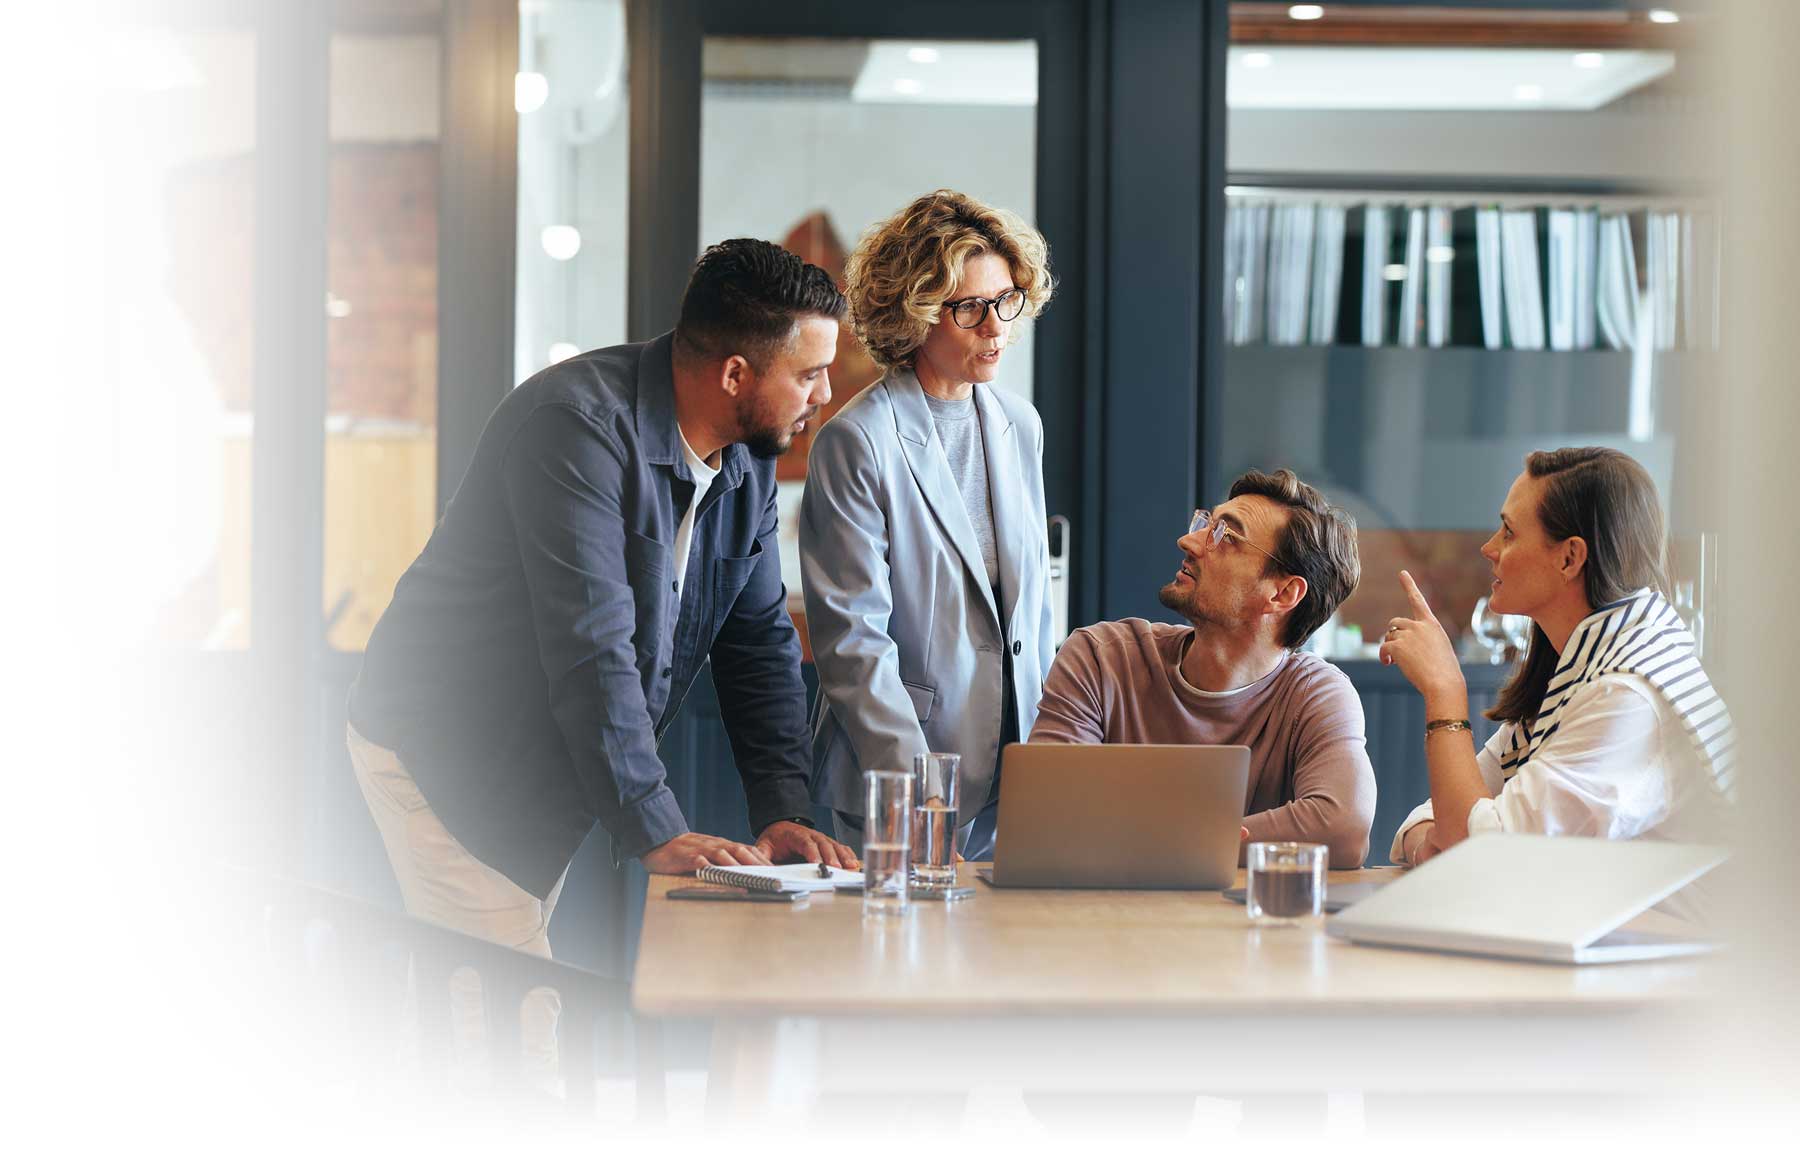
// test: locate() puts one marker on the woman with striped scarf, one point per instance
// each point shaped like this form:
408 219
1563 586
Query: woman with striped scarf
1611 728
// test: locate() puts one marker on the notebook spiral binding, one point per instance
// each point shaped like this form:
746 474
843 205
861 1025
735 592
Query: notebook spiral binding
725 876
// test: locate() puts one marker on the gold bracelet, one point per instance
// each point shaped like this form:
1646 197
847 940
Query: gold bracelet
1437 724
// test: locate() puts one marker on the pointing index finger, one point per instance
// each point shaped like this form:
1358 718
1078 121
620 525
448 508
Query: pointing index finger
1419 604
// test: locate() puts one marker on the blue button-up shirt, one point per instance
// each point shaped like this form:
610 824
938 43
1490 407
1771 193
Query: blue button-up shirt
536 651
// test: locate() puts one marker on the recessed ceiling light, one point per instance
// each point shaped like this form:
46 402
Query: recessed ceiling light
1394 272
1305 12
1589 60
336 306
1440 254
1258 60
530 90
1663 16
922 55
907 86
561 242
1529 92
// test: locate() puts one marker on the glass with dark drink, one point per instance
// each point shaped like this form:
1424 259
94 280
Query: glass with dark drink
1286 882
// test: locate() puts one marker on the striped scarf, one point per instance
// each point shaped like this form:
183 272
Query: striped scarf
1643 635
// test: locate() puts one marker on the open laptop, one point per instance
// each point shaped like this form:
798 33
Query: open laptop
1531 897
1120 817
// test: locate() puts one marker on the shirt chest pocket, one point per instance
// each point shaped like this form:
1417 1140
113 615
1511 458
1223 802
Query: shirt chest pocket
730 576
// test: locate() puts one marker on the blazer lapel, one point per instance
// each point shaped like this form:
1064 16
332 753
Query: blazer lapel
925 457
1006 487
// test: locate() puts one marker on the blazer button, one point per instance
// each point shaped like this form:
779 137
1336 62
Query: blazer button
1017 646
675 587
668 671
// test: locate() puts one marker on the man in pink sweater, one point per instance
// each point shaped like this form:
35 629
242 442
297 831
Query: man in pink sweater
1258 575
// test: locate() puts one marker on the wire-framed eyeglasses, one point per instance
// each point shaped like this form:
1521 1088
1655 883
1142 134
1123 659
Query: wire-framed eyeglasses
972 311
1217 531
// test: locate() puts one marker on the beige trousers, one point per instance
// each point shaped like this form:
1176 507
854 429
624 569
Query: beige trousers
443 883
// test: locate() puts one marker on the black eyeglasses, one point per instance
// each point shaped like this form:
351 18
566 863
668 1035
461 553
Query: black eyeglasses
972 311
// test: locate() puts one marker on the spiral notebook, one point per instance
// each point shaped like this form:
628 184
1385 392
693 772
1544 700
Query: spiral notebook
799 876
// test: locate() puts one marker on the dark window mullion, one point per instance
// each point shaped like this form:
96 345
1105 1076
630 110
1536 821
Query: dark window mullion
478 181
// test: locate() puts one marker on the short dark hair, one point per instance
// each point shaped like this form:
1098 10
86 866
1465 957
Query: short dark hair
745 296
1319 544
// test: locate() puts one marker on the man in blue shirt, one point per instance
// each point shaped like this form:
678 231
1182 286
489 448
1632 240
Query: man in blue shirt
616 527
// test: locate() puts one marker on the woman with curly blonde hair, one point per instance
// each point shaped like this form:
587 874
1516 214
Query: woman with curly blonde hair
923 547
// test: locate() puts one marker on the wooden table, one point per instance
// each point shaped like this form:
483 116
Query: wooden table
1139 990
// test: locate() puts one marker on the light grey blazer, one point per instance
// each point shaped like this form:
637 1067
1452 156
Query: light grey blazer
906 638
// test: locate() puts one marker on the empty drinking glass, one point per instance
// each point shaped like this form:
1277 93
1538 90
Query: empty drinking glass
887 838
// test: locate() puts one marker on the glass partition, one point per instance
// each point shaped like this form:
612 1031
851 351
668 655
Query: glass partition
809 142
381 318
1451 240
574 169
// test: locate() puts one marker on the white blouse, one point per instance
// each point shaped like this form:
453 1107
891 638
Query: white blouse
1618 766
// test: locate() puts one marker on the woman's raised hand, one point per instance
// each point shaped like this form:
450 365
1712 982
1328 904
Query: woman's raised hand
1422 650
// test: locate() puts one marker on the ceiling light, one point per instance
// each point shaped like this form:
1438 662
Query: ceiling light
922 55
1663 16
1394 273
1342 77
1305 12
561 241
1589 60
990 73
530 90
336 306
562 351
1440 254
1258 60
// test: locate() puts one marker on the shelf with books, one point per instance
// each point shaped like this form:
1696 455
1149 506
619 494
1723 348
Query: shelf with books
1547 269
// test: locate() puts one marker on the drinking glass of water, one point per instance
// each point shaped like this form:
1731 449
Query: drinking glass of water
887 840
1286 883
934 819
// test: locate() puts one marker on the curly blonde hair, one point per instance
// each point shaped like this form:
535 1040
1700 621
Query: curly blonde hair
906 267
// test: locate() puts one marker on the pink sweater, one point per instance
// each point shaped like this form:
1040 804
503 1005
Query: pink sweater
1310 778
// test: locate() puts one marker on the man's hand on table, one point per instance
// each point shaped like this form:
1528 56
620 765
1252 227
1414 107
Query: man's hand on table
791 842
686 853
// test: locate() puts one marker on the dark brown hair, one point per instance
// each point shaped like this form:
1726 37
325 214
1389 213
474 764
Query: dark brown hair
1319 544
1609 501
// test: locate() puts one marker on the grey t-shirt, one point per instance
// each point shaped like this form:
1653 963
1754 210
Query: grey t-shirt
959 428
